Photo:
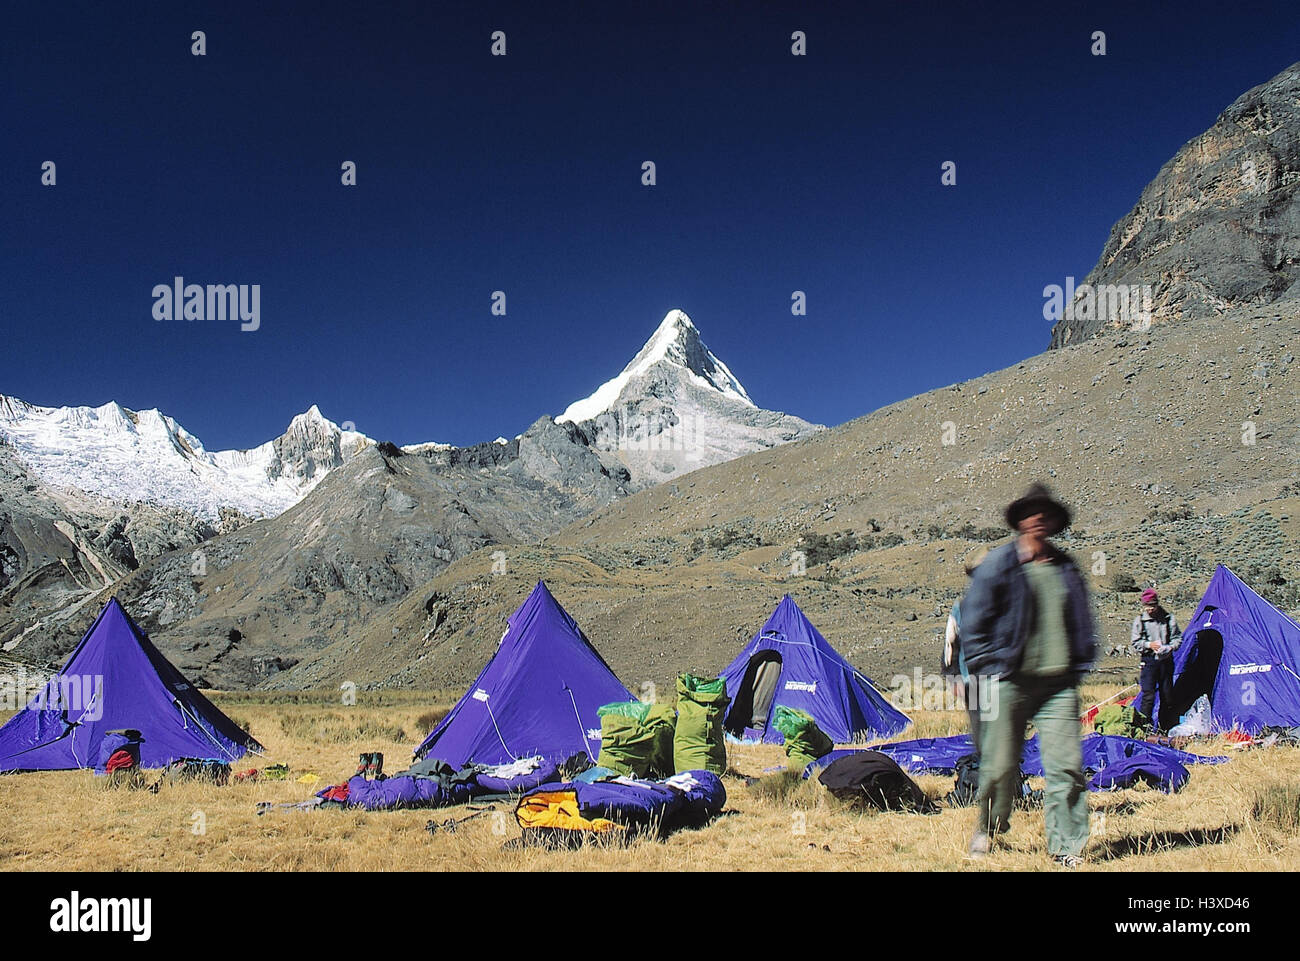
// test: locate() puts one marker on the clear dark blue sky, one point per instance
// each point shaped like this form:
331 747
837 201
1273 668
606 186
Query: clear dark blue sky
479 173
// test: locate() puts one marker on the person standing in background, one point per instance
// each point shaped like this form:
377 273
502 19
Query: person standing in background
1156 635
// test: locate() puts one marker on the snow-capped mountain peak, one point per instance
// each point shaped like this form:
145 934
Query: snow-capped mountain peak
676 342
125 455
677 407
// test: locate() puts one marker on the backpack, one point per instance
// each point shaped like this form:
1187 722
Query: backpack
877 780
967 785
966 788
116 742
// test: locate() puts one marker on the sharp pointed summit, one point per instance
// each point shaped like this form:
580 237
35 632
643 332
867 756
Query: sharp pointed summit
675 343
676 407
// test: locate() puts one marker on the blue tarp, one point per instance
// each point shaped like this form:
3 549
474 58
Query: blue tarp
116 679
1161 772
537 695
1102 750
1254 683
1129 757
815 678
926 755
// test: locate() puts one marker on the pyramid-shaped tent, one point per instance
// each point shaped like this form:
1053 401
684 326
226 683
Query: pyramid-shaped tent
1244 653
789 663
116 679
537 695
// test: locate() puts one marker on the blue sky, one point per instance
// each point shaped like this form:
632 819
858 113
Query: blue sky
522 173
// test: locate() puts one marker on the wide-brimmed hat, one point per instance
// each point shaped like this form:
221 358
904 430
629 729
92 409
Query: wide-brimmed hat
1038 500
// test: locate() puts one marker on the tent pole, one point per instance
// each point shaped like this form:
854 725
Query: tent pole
1111 698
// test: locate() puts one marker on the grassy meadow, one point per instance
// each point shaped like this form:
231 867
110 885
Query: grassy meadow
1244 815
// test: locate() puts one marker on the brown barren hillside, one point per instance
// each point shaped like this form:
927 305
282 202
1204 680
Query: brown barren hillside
1177 449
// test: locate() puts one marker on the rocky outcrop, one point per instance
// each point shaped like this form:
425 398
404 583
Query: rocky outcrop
312 447
60 549
1218 228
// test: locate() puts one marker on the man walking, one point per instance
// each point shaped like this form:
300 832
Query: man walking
1027 624
1156 635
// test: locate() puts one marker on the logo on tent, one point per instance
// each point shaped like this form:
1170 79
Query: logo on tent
481 695
1250 668
810 687
593 734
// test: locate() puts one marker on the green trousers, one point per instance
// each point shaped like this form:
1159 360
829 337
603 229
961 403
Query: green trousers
1053 705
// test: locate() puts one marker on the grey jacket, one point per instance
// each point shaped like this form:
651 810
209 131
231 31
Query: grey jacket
997 615
1164 629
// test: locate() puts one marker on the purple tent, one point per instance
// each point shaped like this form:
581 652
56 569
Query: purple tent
1244 653
813 677
116 679
537 695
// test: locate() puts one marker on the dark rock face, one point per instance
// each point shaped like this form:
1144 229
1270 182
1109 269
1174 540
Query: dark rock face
311 446
115 542
1218 228
61 549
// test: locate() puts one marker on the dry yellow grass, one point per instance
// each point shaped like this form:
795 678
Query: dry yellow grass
72 821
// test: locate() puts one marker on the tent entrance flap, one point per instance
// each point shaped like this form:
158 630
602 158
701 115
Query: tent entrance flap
752 705
1199 671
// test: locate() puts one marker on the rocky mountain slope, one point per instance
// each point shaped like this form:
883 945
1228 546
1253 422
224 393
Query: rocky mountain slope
1219 226
245 605
88 495
1142 435
59 547
332 552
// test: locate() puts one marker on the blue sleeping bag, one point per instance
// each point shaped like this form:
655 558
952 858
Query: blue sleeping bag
486 784
690 799
416 791
403 791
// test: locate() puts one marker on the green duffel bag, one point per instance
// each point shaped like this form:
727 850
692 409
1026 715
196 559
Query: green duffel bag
626 745
633 709
661 721
805 742
701 708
